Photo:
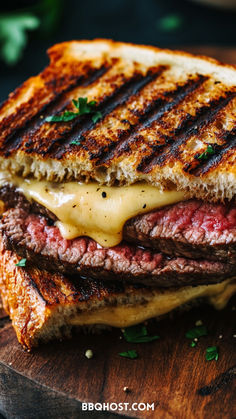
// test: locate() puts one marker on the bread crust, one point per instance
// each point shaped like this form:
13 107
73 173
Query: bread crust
40 303
161 110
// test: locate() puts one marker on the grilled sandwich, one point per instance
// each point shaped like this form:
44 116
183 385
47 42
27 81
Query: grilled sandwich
118 184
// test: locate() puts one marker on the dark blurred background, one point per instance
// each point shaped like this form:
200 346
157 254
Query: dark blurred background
28 28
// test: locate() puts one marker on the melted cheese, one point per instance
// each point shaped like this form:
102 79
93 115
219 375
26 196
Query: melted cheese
99 212
161 302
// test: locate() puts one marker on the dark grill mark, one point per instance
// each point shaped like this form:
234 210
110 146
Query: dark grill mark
190 126
34 285
58 104
152 113
229 138
86 288
108 104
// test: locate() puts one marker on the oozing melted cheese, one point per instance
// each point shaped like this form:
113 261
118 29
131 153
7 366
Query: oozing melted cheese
161 302
99 212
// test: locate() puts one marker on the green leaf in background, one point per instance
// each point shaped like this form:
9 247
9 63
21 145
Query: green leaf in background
49 12
138 334
44 14
170 23
212 353
13 34
131 354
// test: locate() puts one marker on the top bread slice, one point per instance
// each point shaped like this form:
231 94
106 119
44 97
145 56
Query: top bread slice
168 118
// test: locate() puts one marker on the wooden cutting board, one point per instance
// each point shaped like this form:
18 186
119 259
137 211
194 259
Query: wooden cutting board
52 381
56 378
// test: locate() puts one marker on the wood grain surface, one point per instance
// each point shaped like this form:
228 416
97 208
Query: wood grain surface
53 380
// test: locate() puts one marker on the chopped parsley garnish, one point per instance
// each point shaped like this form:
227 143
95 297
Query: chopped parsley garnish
138 334
212 353
83 107
196 332
193 344
75 142
96 116
131 354
204 156
65 117
21 263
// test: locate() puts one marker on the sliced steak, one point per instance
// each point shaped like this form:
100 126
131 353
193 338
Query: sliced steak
192 229
30 236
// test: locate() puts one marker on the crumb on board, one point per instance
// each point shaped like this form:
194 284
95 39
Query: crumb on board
89 353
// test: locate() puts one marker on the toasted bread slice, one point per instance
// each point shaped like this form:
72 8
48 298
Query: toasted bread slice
44 306
161 110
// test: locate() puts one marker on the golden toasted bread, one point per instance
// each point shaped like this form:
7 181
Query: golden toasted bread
45 306
168 118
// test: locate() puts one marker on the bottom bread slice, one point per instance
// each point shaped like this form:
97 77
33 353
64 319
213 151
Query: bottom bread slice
45 306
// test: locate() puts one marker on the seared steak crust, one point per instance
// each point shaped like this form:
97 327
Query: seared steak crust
30 236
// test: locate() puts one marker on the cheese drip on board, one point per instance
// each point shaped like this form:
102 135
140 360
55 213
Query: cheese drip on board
92 210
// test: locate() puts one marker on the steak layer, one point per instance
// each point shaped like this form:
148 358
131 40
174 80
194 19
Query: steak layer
192 229
31 237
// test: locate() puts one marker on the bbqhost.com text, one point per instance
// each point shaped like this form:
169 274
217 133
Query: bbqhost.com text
118 406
